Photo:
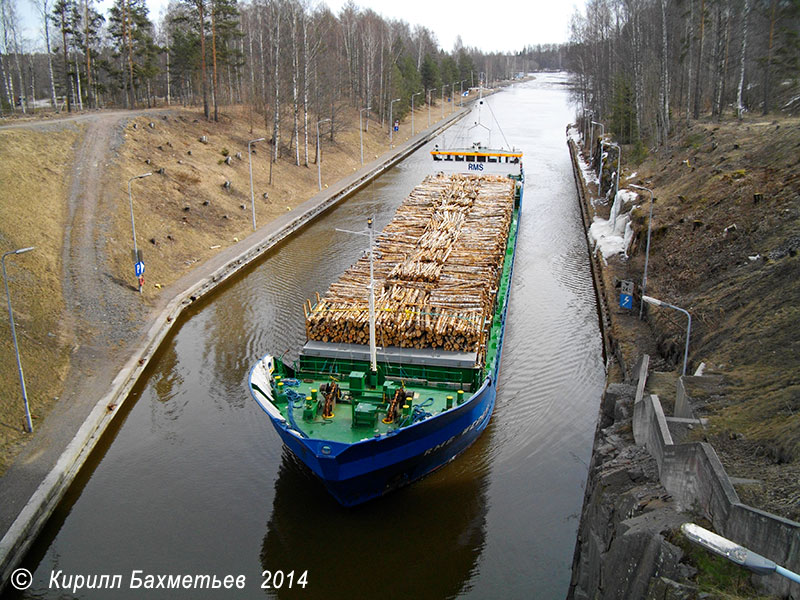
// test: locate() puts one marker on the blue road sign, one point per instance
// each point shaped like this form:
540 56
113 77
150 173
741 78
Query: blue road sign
626 301
139 268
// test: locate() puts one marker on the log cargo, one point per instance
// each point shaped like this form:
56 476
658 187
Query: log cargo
436 273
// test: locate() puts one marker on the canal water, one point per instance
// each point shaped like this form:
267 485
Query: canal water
194 481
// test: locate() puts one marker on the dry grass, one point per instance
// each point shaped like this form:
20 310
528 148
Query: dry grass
731 258
185 216
32 213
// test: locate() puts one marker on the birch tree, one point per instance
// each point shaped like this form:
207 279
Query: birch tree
43 8
739 102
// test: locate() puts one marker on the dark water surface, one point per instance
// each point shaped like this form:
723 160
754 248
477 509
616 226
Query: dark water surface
195 480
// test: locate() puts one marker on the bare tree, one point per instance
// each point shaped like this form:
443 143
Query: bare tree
663 99
739 103
768 65
43 7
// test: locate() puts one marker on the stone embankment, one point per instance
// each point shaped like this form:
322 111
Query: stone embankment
644 483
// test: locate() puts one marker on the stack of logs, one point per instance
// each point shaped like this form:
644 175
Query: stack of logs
436 270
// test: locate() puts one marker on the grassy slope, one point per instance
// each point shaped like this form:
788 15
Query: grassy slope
33 178
742 287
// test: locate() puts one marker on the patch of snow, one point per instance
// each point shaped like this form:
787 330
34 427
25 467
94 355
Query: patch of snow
613 235
632 175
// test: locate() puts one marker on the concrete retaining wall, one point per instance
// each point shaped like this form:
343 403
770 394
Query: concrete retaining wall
610 348
695 477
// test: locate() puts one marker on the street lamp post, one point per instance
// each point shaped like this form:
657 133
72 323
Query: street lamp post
735 553
250 160
138 263
647 251
444 86
319 157
462 92
452 93
361 131
391 120
14 337
429 104
412 112
656 302
591 139
586 125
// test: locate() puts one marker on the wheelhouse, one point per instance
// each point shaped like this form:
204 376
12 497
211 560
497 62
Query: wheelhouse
478 159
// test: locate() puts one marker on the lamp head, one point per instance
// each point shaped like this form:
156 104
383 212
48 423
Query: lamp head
728 549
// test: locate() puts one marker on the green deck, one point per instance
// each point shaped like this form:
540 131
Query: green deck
359 414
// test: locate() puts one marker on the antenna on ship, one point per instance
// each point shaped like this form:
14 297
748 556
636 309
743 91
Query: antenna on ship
478 122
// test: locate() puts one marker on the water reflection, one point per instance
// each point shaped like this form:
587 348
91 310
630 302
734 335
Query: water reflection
424 541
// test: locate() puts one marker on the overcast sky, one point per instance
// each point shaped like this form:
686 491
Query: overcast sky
489 25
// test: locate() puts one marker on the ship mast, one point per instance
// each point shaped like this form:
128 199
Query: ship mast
373 350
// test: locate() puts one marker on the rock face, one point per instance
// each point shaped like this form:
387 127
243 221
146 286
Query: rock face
623 548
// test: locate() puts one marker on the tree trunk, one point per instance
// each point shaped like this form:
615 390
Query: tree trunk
663 103
130 59
739 99
12 26
698 78
78 83
204 75
8 84
689 41
215 82
66 58
295 94
168 77
722 59
767 67
89 94
305 90
276 109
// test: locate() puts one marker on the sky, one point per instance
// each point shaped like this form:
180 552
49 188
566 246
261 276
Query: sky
489 25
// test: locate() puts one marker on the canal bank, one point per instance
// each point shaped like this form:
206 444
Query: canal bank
647 476
193 479
38 488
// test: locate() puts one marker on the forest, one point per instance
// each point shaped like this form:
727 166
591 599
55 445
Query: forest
641 66
295 64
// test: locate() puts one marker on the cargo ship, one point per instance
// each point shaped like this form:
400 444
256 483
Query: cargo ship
398 375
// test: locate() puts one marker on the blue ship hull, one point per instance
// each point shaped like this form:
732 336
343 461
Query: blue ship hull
355 473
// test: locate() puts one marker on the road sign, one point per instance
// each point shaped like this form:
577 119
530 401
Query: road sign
139 268
626 294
